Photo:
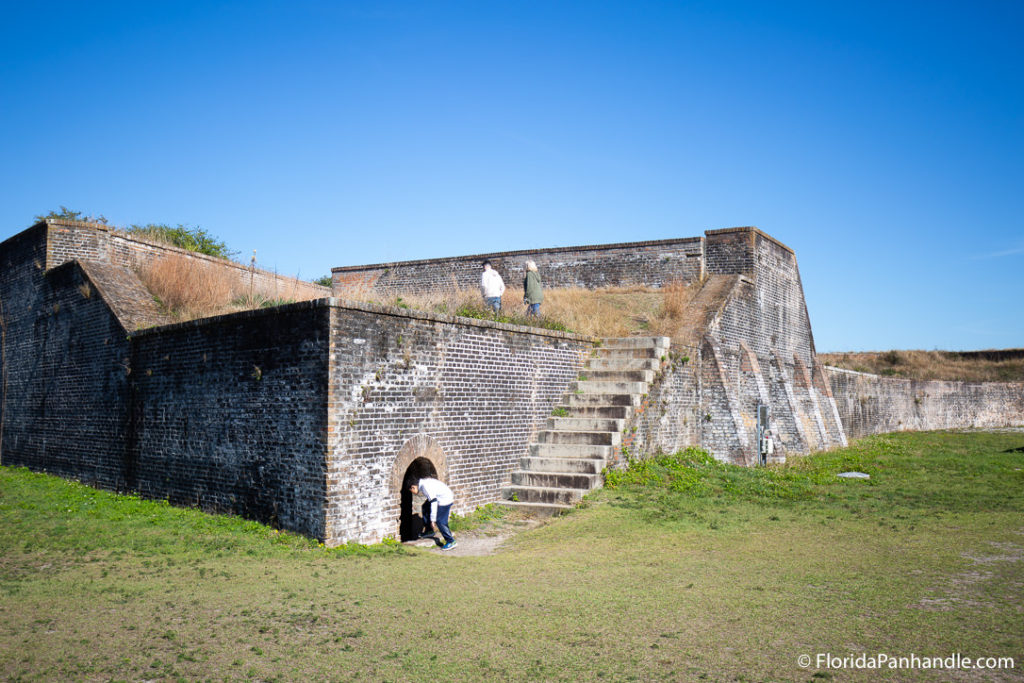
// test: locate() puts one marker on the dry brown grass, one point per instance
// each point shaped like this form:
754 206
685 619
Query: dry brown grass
192 288
966 366
608 312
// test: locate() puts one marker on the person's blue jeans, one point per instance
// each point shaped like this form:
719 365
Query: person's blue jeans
442 522
493 302
532 309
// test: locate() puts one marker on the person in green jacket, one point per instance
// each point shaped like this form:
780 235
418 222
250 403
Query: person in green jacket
533 292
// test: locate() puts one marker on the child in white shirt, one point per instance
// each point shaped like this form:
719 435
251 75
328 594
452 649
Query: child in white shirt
440 498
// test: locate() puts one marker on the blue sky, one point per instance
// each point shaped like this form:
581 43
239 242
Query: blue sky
883 142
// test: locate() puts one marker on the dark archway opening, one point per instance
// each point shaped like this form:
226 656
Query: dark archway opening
410 522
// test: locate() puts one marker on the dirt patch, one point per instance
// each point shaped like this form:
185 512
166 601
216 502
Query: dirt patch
486 539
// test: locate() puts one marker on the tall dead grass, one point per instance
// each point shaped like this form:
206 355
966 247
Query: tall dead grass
189 288
1007 366
607 312
192 288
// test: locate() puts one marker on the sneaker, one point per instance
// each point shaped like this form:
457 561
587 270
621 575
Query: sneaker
449 545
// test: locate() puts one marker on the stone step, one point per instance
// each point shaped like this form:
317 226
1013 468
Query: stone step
630 354
586 424
636 343
537 509
588 409
574 465
559 450
608 388
578 437
581 400
557 480
542 494
601 364
646 376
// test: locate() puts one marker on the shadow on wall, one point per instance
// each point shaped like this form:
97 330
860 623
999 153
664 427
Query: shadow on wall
410 522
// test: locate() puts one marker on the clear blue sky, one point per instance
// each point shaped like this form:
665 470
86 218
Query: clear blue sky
883 142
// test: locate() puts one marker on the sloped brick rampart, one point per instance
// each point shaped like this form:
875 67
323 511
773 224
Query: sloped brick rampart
69 240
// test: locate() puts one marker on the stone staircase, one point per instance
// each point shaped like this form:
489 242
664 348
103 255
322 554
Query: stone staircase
567 459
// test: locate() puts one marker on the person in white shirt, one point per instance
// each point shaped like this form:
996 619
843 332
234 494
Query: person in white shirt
440 498
491 287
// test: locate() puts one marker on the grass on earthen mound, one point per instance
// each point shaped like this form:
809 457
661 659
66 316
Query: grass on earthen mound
188 289
1003 366
683 569
606 312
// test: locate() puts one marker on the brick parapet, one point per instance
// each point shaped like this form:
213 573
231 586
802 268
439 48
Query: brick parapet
651 263
100 243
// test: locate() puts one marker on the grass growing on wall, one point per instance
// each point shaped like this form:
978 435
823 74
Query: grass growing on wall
684 569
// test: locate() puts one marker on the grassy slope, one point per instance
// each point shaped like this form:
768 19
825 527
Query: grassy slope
697 571
948 365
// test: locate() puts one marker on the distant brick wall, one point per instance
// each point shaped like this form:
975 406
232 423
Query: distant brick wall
871 404
476 391
73 239
634 263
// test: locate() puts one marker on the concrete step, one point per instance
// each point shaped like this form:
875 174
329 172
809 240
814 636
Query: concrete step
608 388
557 480
574 465
558 450
578 437
629 353
636 343
601 364
586 424
537 509
620 375
542 494
581 400
587 409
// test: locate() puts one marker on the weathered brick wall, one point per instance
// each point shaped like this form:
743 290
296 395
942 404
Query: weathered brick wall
473 393
760 350
174 412
72 239
307 415
230 414
669 417
635 263
871 404
65 360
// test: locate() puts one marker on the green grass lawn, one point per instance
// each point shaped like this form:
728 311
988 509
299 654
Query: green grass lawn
680 569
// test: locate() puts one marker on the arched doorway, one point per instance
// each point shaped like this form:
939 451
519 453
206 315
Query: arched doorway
410 521
420 457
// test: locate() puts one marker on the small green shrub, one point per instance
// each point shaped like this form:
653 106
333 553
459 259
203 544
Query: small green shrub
191 238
